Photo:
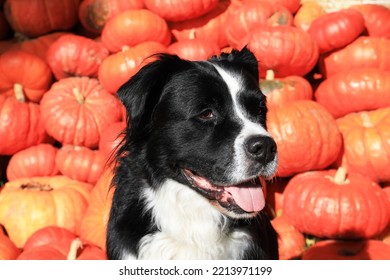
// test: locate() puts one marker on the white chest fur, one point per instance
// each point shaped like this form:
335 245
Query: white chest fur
190 227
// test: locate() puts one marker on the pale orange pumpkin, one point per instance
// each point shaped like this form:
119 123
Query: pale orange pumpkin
94 224
29 204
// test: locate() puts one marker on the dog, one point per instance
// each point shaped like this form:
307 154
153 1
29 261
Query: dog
193 162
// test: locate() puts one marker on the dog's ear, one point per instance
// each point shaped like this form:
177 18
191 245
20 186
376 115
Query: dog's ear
244 59
142 92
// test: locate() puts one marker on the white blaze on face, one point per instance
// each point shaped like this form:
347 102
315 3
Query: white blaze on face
238 169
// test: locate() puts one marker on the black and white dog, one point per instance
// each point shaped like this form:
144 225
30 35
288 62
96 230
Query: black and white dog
188 184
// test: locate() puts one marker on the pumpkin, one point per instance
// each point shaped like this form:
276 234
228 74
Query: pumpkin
38 160
210 27
194 49
76 109
334 204
50 234
74 55
133 27
55 251
366 137
355 90
307 13
177 10
94 224
21 125
364 52
28 204
56 243
291 242
111 138
26 72
93 14
118 68
8 250
37 46
80 163
252 15
306 131
336 30
37 17
348 250
376 18
291 5
286 50
283 90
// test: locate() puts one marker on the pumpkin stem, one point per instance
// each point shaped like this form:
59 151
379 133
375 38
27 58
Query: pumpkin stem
74 247
19 93
36 185
340 176
79 97
125 48
192 34
270 75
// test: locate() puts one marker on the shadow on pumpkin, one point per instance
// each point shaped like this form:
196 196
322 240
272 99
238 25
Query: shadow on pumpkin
365 249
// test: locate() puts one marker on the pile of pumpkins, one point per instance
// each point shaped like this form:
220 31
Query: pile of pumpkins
327 80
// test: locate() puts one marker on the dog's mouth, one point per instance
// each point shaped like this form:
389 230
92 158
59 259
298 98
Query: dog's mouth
245 197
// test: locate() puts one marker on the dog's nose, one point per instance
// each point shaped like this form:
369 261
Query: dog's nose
261 148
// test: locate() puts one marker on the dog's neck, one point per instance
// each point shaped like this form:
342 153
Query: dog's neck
188 228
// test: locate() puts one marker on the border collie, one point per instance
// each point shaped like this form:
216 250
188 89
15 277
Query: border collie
191 167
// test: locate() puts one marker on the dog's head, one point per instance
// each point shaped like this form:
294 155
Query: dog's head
203 124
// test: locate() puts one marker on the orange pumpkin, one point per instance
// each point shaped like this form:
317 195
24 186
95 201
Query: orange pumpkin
364 52
56 243
286 50
37 17
336 30
74 55
284 90
23 71
251 15
366 137
210 27
303 130
334 204
76 109
29 204
118 68
8 250
38 160
93 14
376 18
80 163
21 125
360 89
94 224
291 242
133 27
194 49
178 10
348 250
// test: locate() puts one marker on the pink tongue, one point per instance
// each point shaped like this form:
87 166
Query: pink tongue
250 199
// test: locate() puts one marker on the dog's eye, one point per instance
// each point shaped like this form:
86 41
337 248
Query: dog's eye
206 115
